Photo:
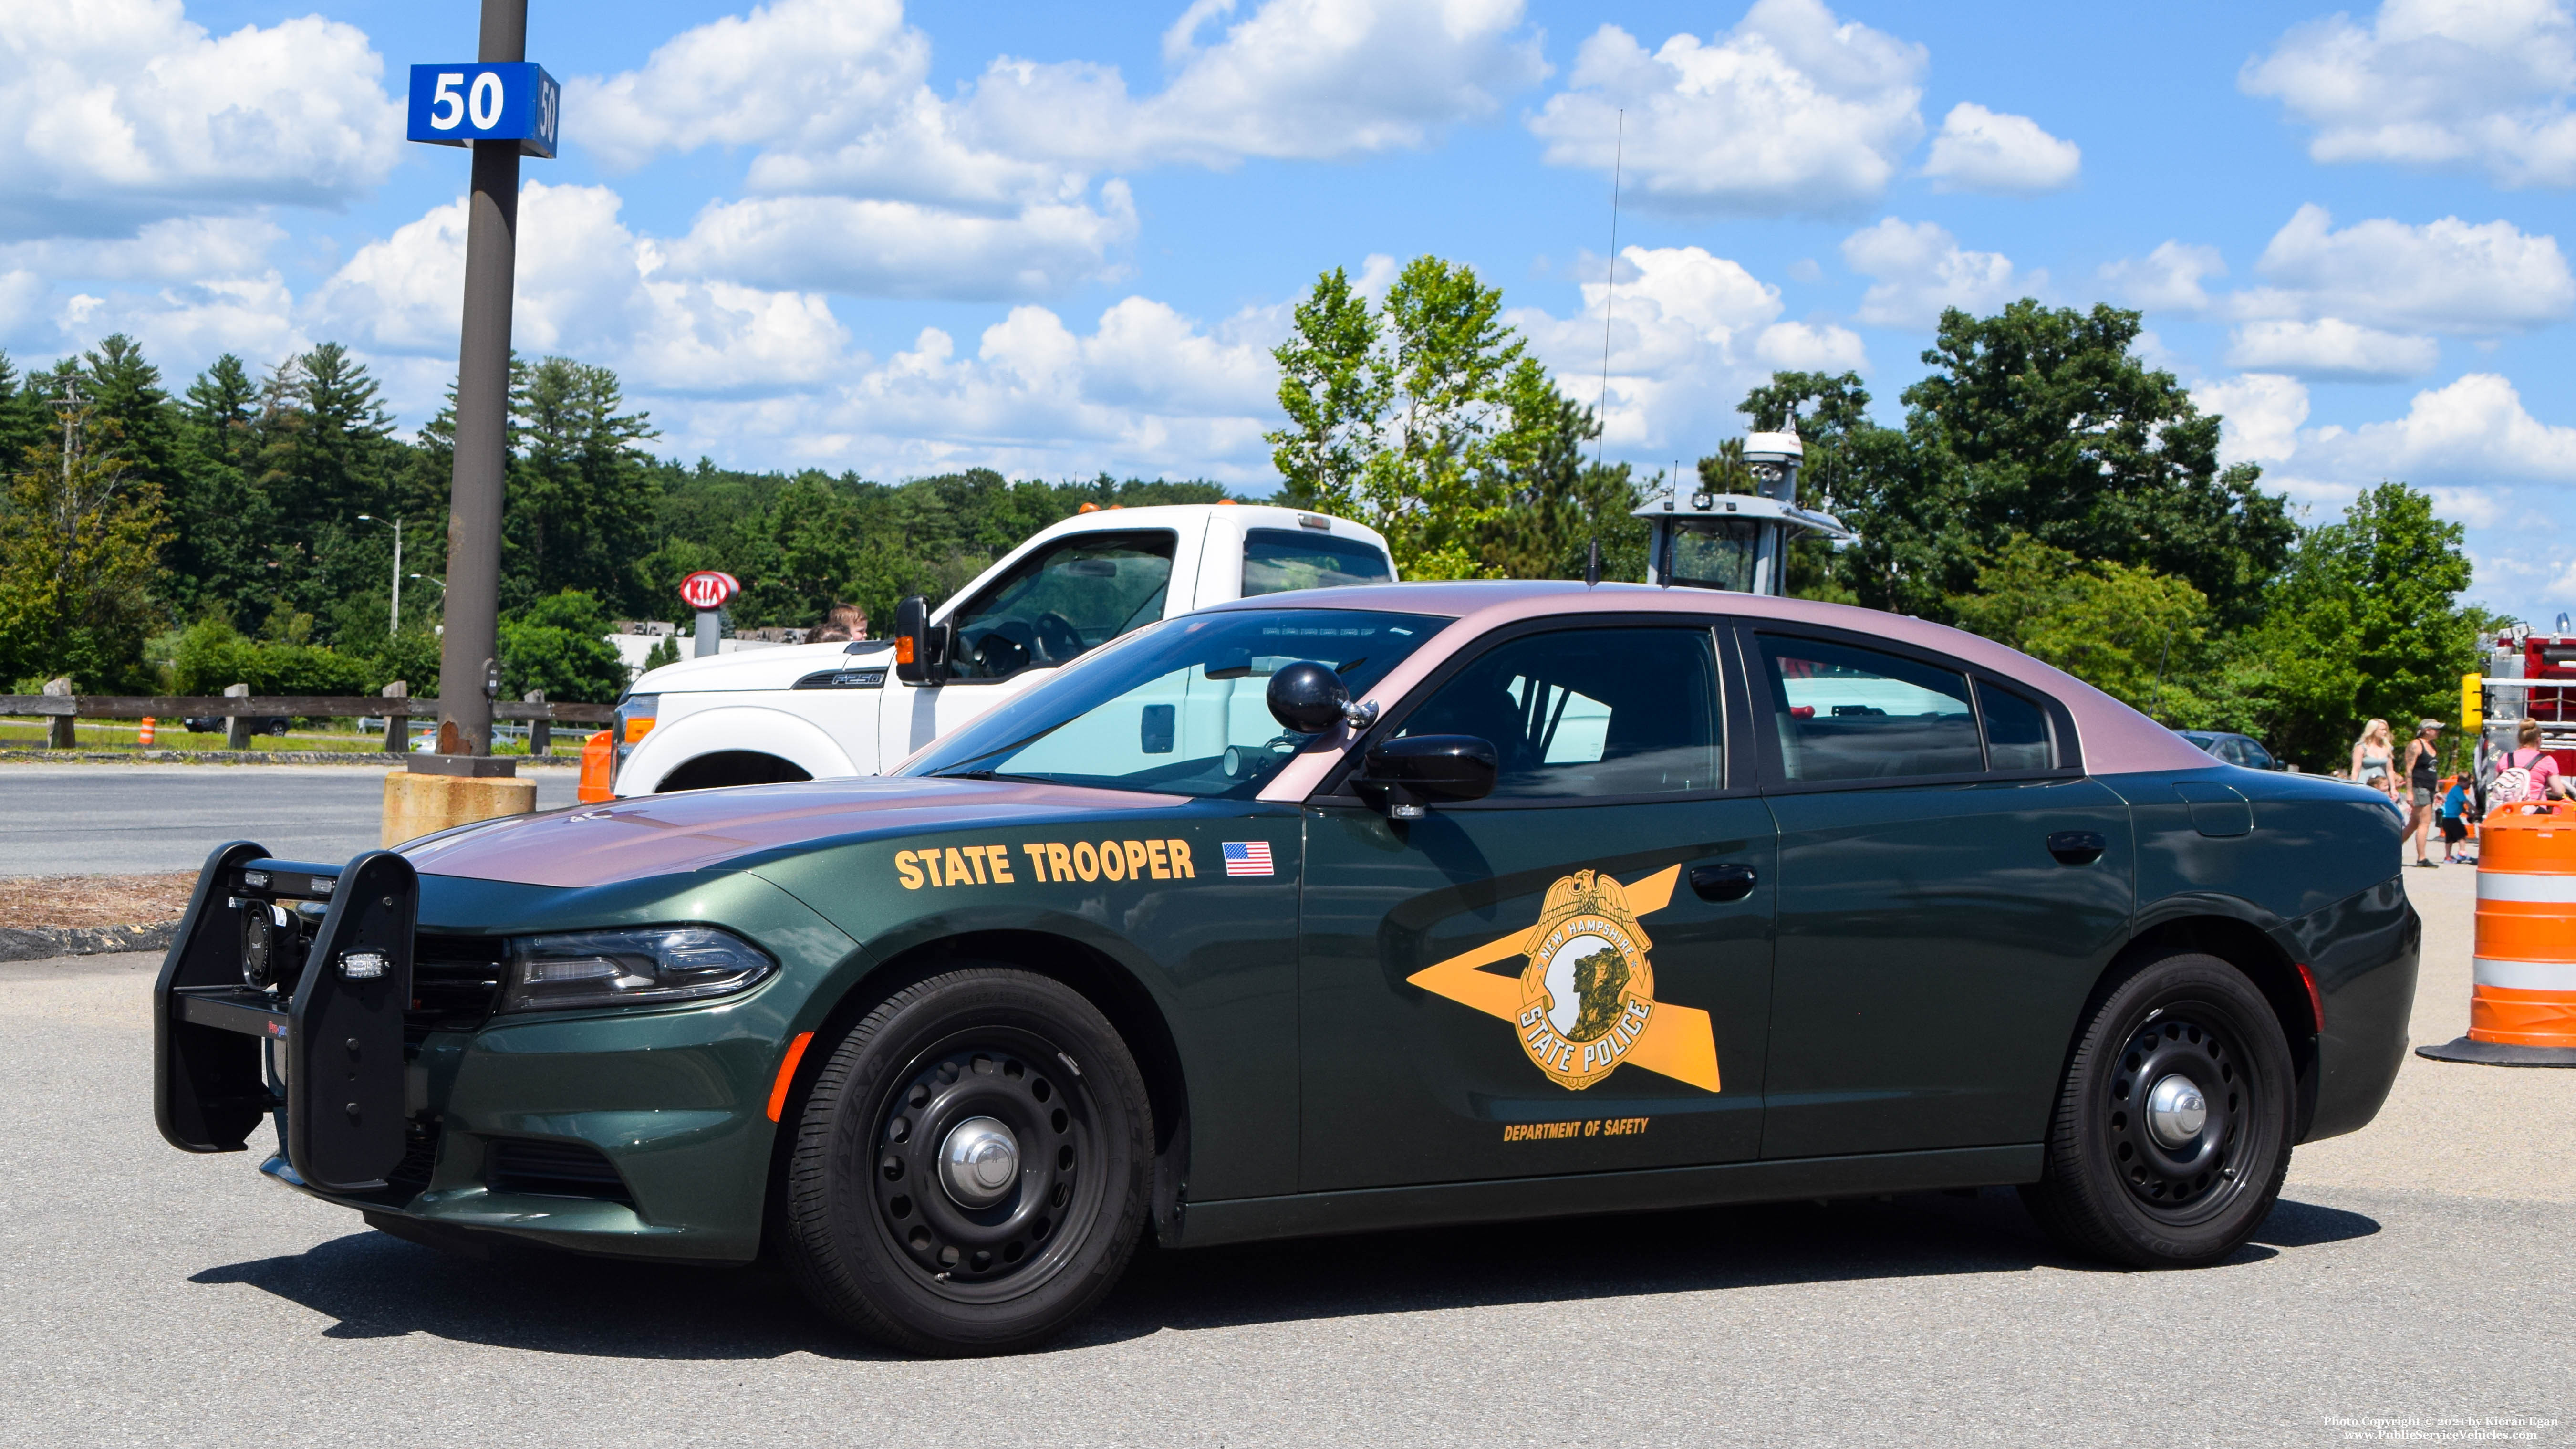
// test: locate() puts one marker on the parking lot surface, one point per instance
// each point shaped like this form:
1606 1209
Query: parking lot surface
138 819
2422 1270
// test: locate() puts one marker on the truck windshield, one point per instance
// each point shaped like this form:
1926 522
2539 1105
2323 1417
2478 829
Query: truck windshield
1181 708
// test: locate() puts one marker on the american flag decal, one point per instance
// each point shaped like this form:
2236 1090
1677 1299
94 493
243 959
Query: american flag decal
1247 857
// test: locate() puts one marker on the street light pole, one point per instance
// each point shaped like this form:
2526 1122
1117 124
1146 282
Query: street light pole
393 618
470 646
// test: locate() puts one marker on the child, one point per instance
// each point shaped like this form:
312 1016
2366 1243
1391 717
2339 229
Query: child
2455 825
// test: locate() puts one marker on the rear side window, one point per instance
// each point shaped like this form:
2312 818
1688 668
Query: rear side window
1586 713
2017 736
1277 560
1846 713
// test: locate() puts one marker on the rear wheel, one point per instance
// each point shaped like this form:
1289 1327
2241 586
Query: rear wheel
970 1170
2172 1130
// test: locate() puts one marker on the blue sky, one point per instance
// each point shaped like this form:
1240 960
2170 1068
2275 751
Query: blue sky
1061 239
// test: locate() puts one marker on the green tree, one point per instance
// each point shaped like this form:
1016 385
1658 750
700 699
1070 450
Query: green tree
2365 623
222 526
559 644
80 546
2038 422
1418 420
2132 633
579 497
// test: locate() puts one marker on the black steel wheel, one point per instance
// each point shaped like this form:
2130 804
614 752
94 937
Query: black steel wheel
2172 1131
970 1169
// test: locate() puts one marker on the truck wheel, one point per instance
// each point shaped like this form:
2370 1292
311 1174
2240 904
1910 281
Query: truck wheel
969 1175
2172 1130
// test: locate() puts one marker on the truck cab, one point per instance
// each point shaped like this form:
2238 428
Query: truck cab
815 710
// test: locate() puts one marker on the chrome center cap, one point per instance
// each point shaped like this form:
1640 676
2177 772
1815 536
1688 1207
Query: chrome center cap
2176 1111
980 1161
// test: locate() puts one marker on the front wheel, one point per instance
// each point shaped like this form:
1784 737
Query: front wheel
2172 1130
969 1174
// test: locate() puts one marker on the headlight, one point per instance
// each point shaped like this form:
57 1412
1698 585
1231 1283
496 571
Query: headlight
636 714
622 968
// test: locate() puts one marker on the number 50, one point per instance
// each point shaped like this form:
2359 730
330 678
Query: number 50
448 109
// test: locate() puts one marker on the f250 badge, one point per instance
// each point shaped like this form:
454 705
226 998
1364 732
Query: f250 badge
1584 1004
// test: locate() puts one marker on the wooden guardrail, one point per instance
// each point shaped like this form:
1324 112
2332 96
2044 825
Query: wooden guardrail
239 709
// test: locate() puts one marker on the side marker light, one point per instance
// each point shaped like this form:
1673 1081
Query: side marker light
2316 1000
787 1073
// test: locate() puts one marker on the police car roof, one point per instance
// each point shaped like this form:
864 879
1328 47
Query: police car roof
2115 737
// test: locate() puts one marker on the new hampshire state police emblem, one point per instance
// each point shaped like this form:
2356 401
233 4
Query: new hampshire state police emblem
1588 991
1584 1003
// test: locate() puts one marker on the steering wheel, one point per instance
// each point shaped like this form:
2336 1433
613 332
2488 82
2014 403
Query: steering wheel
997 654
1056 637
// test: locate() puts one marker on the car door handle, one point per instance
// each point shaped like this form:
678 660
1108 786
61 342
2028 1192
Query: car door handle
2077 847
1731 882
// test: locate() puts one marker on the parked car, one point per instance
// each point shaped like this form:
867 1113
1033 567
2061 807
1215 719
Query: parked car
2233 748
1335 911
259 724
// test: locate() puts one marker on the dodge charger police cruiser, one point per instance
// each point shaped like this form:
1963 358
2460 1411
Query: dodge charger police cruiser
1348 910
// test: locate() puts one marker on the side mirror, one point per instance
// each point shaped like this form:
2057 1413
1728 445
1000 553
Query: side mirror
1308 698
1406 775
920 652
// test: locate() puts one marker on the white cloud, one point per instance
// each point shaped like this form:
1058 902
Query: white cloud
1791 111
2475 430
2260 416
1919 269
180 249
118 112
1983 150
906 249
1307 79
1806 347
2331 349
2455 84
1688 335
837 96
2443 276
588 287
2169 277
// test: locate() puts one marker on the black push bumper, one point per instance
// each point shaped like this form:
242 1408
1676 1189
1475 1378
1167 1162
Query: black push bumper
312 1032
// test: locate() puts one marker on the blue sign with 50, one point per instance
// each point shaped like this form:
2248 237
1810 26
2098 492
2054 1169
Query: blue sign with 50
514 101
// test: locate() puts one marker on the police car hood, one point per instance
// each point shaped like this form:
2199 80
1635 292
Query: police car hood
591 845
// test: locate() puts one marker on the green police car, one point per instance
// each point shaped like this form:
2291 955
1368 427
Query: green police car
1325 913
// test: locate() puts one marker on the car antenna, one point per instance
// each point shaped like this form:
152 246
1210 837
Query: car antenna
1609 301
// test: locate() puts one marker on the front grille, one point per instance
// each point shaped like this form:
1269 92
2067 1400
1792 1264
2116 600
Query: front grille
555 1169
455 983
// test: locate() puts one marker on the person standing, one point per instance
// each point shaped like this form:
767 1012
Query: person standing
2371 757
2528 772
2423 779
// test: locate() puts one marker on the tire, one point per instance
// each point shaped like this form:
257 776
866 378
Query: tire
885 1241
2121 1181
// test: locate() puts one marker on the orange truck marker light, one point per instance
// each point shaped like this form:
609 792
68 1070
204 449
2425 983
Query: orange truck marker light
787 1073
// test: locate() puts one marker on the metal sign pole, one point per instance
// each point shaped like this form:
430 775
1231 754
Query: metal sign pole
471 645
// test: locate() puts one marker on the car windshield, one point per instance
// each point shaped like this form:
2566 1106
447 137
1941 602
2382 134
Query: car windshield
1181 708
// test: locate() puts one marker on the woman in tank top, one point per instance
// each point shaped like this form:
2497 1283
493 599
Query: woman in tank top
2423 778
2372 754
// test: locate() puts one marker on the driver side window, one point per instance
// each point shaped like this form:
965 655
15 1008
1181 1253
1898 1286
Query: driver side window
1062 601
1588 713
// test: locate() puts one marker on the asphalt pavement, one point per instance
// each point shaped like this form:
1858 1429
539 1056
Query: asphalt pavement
156 1297
139 819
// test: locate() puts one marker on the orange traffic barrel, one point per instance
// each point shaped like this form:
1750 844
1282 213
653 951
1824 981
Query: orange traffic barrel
143 737
2522 1003
598 765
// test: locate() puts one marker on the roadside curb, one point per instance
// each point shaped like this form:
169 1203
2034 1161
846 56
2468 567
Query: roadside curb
376 758
39 943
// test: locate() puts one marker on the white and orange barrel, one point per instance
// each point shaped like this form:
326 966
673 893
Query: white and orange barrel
2522 1003
143 739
